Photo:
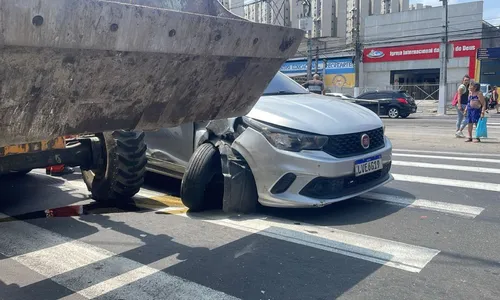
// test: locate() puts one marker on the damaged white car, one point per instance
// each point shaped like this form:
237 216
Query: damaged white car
294 149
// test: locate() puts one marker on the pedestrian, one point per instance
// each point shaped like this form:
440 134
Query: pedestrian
315 85
476 108
494 99
461 105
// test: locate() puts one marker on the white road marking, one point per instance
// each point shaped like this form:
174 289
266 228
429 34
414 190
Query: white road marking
386 252
445 167
494 187
465 211
72 263
117 282
474 159
446 152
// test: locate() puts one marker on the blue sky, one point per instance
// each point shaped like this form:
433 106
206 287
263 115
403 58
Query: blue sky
491 8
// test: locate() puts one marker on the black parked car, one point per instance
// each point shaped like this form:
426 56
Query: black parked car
392 103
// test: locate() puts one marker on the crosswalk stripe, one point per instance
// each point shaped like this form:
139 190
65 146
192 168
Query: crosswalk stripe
473 159
386 252
465 211
445 167
494 187
69 263
445 152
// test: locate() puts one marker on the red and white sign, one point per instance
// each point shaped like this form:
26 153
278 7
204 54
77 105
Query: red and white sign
401 53
467 49
423 51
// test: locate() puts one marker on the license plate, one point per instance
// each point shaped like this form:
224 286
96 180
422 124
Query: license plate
368 165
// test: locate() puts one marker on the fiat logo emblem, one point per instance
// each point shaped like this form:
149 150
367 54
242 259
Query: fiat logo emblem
365 141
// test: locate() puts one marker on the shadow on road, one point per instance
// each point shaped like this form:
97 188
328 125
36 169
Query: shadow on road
248 266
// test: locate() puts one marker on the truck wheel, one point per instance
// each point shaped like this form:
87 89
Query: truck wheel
202 183
121 173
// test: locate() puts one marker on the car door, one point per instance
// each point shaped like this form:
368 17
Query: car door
169 149
371 104
385 100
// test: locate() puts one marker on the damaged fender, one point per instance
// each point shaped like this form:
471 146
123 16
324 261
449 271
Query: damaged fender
240 192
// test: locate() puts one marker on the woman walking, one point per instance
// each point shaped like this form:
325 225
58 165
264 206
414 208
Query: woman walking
476 107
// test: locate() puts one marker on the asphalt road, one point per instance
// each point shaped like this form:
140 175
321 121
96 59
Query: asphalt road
433 233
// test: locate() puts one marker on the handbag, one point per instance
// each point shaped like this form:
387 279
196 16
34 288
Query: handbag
481 129
455 100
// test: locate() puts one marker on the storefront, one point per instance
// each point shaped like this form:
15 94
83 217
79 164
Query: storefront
338 72
417 64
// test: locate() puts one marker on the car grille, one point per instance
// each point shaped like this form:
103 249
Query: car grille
347 145
331 188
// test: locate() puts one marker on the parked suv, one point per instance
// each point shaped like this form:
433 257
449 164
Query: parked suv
394 104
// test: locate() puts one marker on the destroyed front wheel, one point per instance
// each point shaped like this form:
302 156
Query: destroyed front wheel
120 173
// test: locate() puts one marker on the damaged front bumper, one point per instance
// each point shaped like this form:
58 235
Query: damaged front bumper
295 179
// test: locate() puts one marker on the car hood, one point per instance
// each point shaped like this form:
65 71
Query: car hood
315 114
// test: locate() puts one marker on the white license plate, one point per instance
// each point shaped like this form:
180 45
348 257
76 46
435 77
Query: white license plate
368 165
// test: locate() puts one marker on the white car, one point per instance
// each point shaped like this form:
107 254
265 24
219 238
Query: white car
294 149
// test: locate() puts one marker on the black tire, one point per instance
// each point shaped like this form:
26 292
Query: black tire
202 185
393 112
121 173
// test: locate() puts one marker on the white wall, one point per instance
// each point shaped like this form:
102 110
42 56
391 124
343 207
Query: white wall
341 14
405 5
415 26
236 7
327 18
376 7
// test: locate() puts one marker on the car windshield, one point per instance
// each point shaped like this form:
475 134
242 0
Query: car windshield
284 85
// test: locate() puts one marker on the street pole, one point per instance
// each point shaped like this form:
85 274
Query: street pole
357 50
309 57
307 3
443 76
317 60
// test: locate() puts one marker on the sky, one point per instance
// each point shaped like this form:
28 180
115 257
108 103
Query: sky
491 8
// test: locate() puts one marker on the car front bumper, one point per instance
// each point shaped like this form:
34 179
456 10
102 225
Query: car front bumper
318 178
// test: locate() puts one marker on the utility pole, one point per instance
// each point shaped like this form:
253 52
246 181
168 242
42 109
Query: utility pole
306 6
443 76
309 57
357 48
317 60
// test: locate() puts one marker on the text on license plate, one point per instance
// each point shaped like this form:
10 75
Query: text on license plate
368 165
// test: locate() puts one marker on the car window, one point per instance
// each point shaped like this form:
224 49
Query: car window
284 85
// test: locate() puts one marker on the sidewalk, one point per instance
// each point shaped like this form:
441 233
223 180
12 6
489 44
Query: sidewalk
430 107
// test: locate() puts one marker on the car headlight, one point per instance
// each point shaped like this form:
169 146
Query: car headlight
288 140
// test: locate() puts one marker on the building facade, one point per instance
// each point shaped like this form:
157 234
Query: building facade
235 6
404 48
330 18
